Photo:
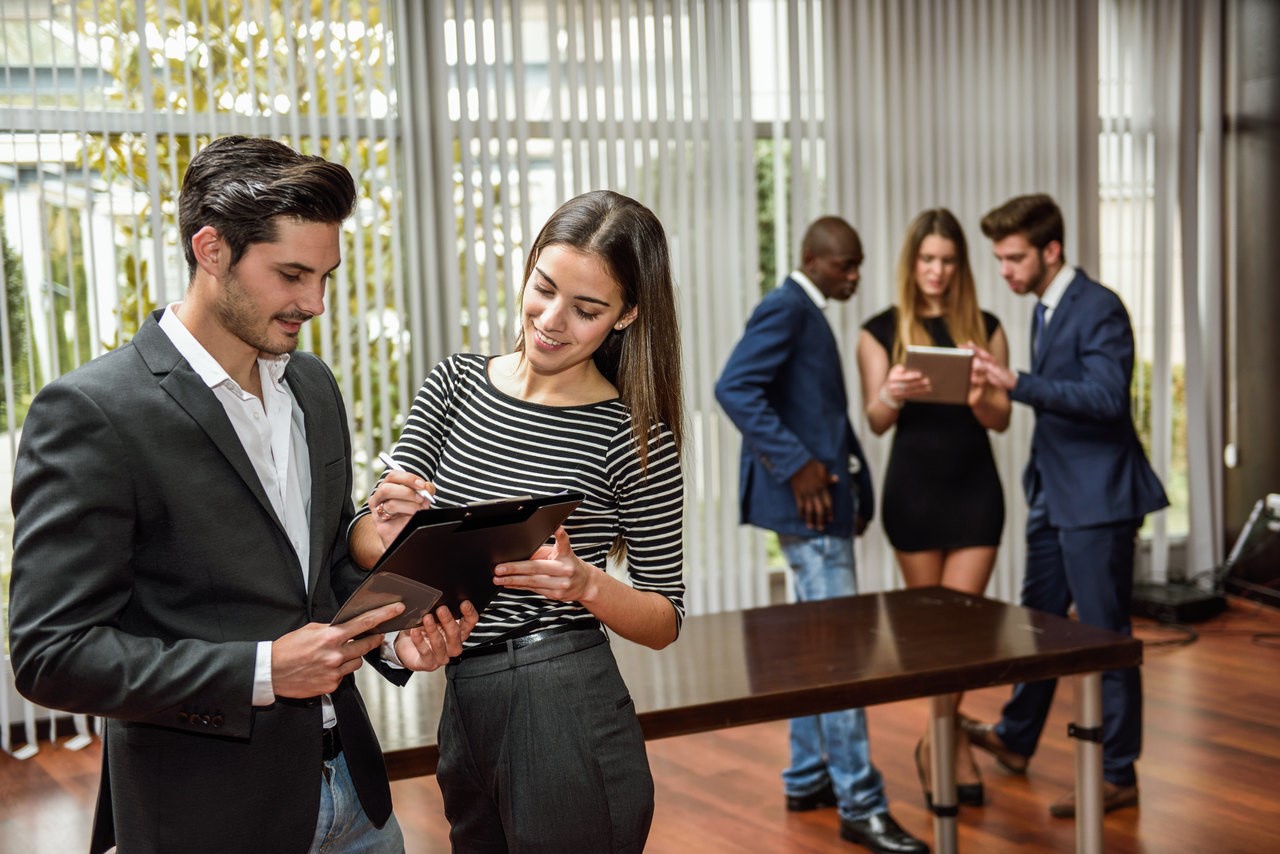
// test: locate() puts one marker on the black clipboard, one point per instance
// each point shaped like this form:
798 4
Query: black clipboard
447 555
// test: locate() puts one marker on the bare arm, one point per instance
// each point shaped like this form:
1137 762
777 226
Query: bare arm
556 572
885 389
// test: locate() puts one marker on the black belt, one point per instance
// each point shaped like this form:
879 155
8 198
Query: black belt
502 645
331 743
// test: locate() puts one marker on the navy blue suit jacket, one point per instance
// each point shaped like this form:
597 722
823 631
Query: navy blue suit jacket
1092 467
783 388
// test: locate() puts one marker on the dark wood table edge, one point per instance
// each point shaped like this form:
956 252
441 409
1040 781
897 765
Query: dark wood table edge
688 720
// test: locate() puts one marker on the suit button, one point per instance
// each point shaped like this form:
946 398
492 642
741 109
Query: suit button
204 719
182 717
217 720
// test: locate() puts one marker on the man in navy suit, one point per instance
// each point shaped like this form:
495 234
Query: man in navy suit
1088 482
804 476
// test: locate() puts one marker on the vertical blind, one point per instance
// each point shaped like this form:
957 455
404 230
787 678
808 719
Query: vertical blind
100 113
958 105
467 123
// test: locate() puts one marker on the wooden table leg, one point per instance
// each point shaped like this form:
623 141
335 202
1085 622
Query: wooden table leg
942 766
1087 731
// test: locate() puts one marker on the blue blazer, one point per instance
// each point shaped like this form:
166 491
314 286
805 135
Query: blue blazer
1085 449
783 388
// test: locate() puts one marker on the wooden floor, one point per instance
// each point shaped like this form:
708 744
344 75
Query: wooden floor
1209 775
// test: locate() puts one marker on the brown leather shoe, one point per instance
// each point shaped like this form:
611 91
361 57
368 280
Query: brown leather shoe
1113 798
983 736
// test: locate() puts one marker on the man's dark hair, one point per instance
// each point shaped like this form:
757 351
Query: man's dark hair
1036 216
241 185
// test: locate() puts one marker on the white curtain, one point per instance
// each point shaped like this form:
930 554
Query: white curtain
738 122
959 105
1160 162
517 107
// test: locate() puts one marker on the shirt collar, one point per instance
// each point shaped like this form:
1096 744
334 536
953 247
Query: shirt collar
199 358
809 288
1058 287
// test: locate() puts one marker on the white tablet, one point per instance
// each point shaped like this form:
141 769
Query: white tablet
947 369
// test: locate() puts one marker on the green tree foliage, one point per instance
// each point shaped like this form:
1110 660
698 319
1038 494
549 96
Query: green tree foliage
768 186
197 58
19 358
1177 485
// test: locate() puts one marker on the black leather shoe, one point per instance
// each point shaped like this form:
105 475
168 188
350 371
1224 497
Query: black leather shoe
881 834
824 797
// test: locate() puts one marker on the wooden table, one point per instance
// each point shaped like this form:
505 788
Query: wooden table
783 661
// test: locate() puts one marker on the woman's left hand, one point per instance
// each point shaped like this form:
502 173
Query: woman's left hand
430 645
553 571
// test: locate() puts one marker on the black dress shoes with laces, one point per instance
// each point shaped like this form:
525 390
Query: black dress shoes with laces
880 833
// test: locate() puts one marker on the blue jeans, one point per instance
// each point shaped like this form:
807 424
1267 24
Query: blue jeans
833 746
342 827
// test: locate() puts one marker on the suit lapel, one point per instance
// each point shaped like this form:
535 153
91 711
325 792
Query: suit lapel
833 363
1061 316
189 391
307 390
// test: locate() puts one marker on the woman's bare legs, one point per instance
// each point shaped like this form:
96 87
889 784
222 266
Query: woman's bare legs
968 571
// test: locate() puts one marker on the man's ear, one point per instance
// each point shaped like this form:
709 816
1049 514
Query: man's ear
628 317
1052 253
210 251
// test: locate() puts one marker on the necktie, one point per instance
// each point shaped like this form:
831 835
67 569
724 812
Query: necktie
1037 329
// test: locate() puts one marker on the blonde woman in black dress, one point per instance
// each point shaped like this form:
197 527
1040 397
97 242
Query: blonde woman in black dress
943 503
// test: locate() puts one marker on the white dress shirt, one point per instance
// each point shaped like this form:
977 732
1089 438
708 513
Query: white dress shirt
1053 293
273 435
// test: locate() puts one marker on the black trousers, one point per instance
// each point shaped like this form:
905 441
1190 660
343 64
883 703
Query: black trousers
540 751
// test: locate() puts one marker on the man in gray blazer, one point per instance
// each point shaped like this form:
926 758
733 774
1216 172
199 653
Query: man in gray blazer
181 507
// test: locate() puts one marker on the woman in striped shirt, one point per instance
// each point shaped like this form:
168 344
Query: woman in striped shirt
540 749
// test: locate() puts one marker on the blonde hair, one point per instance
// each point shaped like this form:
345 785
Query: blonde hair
960 311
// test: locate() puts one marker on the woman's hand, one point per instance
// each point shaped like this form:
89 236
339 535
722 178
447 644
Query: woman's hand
394 502
553 571
902 384
439 638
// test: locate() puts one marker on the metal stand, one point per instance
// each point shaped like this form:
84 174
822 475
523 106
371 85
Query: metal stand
1087 731
942 765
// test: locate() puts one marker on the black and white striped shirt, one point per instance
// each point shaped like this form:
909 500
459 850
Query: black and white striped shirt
477 443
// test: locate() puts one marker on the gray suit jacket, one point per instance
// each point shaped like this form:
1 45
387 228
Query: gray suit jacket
147 565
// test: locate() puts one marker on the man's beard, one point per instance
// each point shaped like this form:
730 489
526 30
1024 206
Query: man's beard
236 312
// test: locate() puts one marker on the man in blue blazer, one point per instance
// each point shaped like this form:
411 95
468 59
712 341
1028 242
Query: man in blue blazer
804 476
1088 482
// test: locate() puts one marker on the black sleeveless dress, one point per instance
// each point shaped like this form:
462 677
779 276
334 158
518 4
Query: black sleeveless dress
941 488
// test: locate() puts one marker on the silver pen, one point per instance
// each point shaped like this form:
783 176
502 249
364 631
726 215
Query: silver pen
386 460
